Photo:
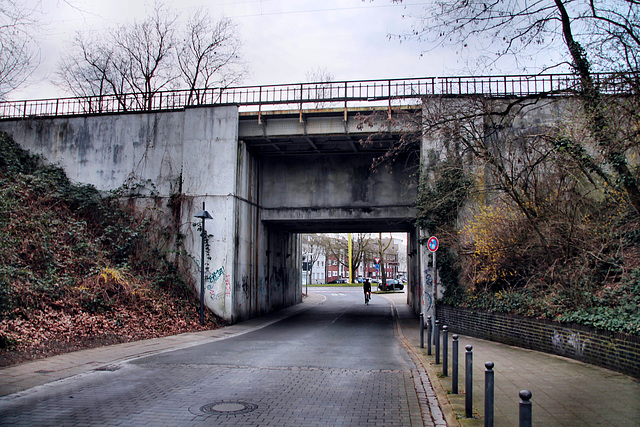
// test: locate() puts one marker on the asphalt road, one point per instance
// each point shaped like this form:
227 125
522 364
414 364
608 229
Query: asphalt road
337 363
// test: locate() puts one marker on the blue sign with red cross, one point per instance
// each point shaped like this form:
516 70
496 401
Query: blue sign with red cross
433 243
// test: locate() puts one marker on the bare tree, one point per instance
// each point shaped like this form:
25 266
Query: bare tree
144 53
18 56
89 70
336 246
321 85
608 31
209 54
522 29
319 75
128 59
133 62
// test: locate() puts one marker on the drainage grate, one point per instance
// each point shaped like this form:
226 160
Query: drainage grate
229 408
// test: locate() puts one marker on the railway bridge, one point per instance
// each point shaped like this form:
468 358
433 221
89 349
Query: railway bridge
267 162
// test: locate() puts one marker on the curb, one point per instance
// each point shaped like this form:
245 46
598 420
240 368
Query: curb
455 403
441 409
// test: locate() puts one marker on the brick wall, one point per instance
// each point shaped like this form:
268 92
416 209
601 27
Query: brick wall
613 350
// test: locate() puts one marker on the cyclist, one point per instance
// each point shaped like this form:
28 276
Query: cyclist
366 285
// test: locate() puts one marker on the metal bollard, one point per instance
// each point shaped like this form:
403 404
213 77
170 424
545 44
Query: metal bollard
525 408
429 335
437 341
454 368
421 330
489 383
445 351
468 382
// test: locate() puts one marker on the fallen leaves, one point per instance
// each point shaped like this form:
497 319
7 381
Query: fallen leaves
61 326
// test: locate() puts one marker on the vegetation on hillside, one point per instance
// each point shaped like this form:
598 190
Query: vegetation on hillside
78 268
542 221
530 223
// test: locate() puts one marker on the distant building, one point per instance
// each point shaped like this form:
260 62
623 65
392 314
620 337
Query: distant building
318 267
313 263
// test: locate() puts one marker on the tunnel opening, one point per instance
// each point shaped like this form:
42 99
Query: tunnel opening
382 251
350 258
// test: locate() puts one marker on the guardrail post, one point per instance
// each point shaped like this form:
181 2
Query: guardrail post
421 330
437 341
346 89
429 328
389 84
445 350
525 408
454 368
489 383
468 382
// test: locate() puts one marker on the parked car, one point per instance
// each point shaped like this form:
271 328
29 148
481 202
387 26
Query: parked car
392 285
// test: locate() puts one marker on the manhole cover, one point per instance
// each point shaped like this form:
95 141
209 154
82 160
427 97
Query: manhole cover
108 368
229 408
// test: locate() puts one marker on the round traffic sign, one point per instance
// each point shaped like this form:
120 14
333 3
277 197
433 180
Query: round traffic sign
433 243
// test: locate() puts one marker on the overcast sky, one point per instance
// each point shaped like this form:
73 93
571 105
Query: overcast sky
283 39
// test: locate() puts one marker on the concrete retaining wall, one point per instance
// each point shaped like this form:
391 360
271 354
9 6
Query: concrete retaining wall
194 152
612 350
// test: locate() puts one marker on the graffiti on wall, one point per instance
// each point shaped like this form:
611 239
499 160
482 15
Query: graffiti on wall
216 275
428 283
428 280
211 281
568 341
428 303
245 286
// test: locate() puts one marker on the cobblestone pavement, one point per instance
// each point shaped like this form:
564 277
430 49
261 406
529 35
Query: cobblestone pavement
336 364
189 395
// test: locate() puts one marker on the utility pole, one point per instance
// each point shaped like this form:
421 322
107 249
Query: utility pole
350 260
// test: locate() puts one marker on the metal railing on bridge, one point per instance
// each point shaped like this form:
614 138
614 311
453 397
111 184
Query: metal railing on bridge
327 94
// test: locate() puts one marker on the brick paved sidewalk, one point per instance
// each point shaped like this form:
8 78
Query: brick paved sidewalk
565 392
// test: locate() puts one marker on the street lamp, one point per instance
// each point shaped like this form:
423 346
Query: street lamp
203 214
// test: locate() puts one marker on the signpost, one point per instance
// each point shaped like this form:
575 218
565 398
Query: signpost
433 244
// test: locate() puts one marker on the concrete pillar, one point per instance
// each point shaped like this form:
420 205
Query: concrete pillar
209 168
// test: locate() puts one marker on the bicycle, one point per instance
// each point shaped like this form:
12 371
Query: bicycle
367 297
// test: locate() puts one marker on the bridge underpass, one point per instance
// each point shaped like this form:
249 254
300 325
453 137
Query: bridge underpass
314 175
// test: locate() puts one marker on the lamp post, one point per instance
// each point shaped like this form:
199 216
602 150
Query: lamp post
203 214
